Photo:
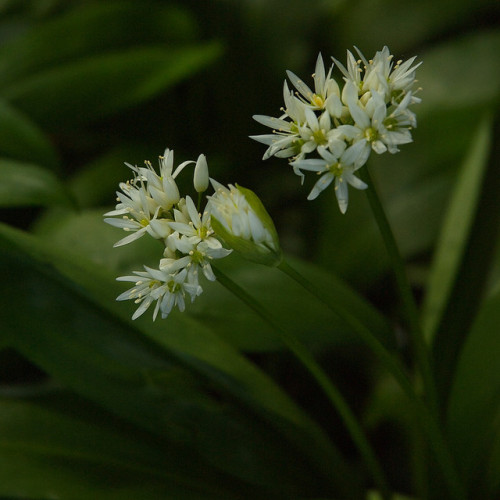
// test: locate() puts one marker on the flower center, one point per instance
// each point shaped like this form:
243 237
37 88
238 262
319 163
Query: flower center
196 256
336 169
390 123
173 287
371 134
203 232
319 137
317 100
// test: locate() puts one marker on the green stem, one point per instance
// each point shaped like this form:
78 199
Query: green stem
426 418
419 346
200 198
322 379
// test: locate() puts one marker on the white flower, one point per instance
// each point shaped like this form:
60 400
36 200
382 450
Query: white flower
139 213
326 93
189 222
284 139
193 238
379 74
339 164
168 290
374 128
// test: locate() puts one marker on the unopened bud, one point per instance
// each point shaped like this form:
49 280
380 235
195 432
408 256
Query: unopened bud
201 174
240 219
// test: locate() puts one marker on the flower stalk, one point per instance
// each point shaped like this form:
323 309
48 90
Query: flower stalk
406 295
304 356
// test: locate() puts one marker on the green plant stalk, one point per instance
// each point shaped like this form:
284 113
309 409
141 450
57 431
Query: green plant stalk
322 379
419 346
426 418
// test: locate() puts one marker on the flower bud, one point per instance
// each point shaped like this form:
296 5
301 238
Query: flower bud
240 219
201 174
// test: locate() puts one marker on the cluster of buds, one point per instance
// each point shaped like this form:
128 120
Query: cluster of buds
150 204
342 126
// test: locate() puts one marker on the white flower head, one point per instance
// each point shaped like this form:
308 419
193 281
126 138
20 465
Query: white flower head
151 204
153 285
332 131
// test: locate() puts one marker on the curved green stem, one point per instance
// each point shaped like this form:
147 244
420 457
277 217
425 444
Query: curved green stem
426 417
322 379
407 299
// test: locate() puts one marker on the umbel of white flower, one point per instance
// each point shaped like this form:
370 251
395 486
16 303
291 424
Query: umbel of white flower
240 219
332 130
150 204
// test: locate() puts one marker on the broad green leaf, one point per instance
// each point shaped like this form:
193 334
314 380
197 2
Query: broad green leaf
20 139
26 184
474 404
445 83
92 29
93 88
401 25
95 183
85 233
43 450
456 228
471 282
73 359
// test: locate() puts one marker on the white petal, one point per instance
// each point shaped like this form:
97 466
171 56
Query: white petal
300 85
342 193
322 183
142 308
274 123
130 238
319 75
193 212
313 165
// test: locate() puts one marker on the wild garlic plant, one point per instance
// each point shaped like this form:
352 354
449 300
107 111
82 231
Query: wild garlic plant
330 130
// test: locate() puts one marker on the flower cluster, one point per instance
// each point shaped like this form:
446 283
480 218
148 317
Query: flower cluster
342 126
150 204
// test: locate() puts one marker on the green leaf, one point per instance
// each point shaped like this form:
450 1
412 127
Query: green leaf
445 83
93 88
46 452
21 139
87 346
95 29
401 25
474 404
95 182
472 279
25 184
456 228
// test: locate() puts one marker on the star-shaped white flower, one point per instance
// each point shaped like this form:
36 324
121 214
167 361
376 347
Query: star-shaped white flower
153 285
326 95
337 163
139 213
